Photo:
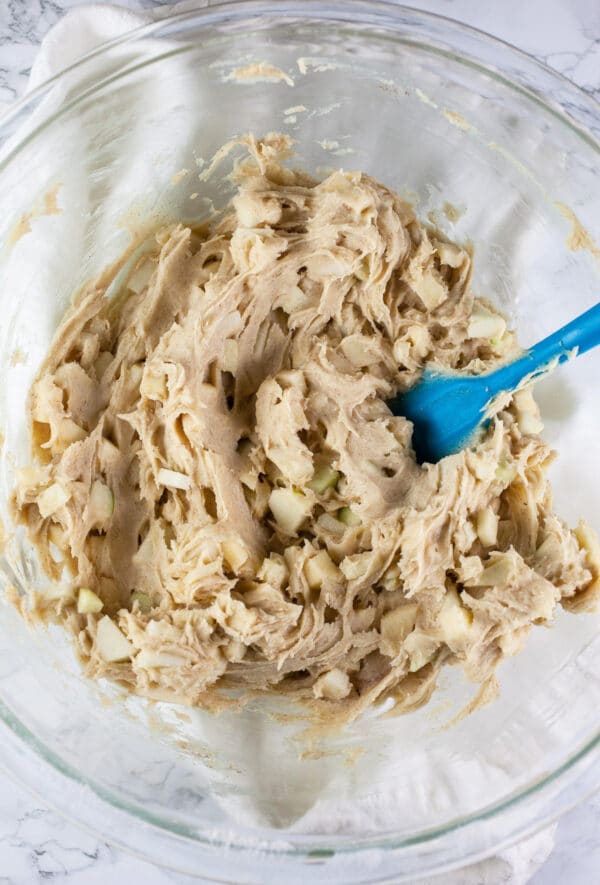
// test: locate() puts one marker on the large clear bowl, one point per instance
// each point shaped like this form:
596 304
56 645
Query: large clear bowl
448 116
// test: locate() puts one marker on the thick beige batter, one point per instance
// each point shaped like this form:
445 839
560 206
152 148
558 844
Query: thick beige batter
224 494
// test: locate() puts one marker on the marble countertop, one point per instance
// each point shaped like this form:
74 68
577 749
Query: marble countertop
36 844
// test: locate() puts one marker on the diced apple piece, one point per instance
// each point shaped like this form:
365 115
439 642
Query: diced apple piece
449 254
506 472
485 324
230 355
108 452
68 432
325 264
254 209
136 372
420 339
401 351
234 651
358 352
498 572
321 569
274 571
88 603
143 600
290 508
398 623
356 565
146 659
173 479
454 620
294 299
52 499
112 645
330 524
486 526
241 619
102 502
421 648
348 517
324 478
529 424
524 401
430 289
153 386
234 553
334 685
588 541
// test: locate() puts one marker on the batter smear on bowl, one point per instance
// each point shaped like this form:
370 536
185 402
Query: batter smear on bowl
222 493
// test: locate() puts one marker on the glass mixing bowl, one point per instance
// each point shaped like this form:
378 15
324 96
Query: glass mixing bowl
504 153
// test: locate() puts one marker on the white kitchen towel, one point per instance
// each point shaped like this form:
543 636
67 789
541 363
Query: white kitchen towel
82 30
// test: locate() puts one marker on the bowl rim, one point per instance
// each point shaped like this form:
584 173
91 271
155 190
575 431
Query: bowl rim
575 108
376 10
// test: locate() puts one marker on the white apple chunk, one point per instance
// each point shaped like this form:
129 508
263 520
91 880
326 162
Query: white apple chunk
52 499
88 603
321 569
420 648
486 526
429 288
358 352
294 299
153 386
111 644
506 472
102 502
136 372
453 620
290 508
324 478
398 623
230 355
528 414
333 685
67 433
274 571
485 324
146 659
348 518
496 573
173 479
234 553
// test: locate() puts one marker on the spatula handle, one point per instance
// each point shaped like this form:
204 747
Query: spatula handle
579 335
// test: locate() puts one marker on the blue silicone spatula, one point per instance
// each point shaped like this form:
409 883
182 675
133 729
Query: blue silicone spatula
447 409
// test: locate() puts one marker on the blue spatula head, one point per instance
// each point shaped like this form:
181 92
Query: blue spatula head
447 411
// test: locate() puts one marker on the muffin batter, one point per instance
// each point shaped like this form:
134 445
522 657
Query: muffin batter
223 496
